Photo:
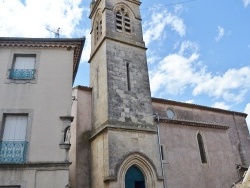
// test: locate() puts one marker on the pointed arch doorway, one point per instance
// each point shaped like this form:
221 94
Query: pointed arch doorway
134 178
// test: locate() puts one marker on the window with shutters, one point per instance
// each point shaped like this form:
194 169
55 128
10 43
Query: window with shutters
23 67
122 21
13 143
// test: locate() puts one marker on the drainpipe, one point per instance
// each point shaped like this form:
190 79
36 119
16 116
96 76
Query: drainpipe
157 117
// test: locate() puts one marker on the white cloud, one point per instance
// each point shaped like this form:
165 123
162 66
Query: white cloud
183 70
87 47
221 105
178 8
188 47
154 29
220 33
31 18
231 86
190 101
175 71
247 110
246 3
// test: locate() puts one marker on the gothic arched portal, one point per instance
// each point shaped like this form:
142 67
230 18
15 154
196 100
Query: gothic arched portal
142 169
134 178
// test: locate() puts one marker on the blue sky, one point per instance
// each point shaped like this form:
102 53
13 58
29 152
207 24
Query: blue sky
198 51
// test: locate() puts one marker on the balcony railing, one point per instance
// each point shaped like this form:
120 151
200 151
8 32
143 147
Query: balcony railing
13 151
22 74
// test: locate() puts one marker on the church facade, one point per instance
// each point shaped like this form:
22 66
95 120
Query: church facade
199 146
124 138
112 134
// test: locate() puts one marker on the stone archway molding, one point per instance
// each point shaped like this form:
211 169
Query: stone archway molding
144 164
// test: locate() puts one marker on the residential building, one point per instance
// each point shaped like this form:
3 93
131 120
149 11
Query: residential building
122 137
36 77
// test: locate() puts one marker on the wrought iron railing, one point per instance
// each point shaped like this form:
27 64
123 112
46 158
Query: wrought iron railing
13 151
22 74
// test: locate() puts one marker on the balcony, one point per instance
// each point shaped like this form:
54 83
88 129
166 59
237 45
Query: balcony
22 74
13 151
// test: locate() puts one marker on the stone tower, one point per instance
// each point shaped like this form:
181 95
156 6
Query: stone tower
123 131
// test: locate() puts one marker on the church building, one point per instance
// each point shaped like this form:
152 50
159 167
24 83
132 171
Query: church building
124 138
112 134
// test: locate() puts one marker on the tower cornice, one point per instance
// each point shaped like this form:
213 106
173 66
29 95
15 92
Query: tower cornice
135 2
93 8
95 4
115 40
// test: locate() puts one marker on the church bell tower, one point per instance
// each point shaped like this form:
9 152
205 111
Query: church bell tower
124 136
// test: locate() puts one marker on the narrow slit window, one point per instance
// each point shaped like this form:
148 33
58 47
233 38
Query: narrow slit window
162 154
128 76
97 82
127 23
98 27
97 31
119 21
201 148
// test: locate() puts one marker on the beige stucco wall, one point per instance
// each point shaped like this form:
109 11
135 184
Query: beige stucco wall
80 144
33 178
46 99
49 99
99 161
100 88
182 163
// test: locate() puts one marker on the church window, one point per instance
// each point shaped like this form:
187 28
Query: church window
127 23
128 76
123 22
201 148
97 32
134 178
162 154
119 21
98 27
100 24
97 82
170 113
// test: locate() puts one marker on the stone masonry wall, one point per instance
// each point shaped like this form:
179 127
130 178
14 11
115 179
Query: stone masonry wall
130 106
